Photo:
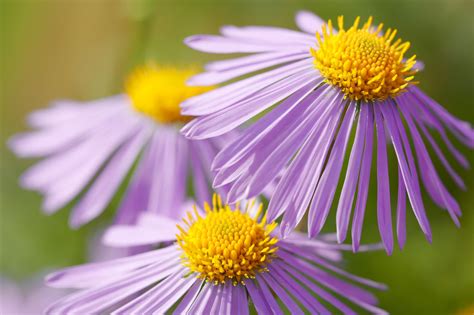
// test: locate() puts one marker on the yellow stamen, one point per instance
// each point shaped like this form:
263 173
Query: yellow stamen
362 63
227 244
157 91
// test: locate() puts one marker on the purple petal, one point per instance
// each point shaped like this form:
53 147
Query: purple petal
295 190
188 300
461 129
242 90
429 175
384 215
235 63
204 300
106 184
401 211
309 22
272 303
270 35
290 252
295 289
227 119
457 179
136 197
303 278
239 301
364 179
215 77
99 299
278 287
67 111
348 190
269 126
346 289
274 149
413 187
59 137
327 184
92 274
281 147
129 235
161 297
256 295
223 45
170 167
63 176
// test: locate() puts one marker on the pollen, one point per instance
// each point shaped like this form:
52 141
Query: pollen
226 244
157 91
364 63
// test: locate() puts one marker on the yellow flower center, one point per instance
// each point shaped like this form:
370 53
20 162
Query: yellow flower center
225 244
364 64
157 91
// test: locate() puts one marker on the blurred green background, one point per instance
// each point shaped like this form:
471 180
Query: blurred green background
82 49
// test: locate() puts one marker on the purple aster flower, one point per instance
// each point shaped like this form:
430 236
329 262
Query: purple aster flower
319 86
217 261
92 147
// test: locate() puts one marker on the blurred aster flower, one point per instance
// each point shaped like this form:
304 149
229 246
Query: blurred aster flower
219 260
28 298
318 83
92 147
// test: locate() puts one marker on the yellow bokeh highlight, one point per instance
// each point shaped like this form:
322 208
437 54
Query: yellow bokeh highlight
157 91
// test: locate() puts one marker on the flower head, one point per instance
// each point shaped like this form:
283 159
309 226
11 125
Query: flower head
316 87
363 63
92 147
165 279
226 244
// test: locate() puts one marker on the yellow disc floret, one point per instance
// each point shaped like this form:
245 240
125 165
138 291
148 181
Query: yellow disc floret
364 64
226 244
157 91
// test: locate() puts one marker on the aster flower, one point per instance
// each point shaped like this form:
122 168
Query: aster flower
92 147
217 261
317 84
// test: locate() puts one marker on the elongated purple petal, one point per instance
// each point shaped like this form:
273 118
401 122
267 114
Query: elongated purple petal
348 190
429 175
296 187
411 185
384 213
92 274
240 91
326 188
223 45
401 211
287 300
188 300
104 187
234 63
257 298
159 298
210 78
461 129
364 179
272 303
227 119
309 22
296 290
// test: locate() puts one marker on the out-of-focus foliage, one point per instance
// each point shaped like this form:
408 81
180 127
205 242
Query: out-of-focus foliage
82 50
